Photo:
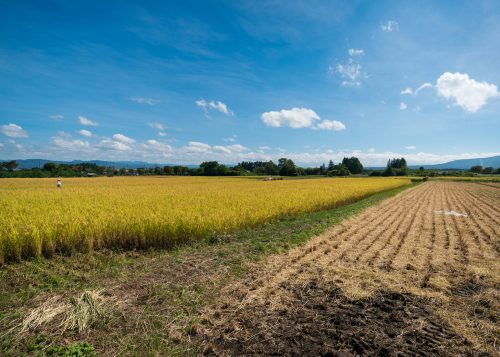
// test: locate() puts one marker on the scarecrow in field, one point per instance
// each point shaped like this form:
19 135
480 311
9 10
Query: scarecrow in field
59 183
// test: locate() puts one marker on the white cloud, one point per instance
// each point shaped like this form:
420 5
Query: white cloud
299 118
410 147
196 146
157 126
108 144
330 125
264 148
158 146
85 133
13 131
422 87
214 105
162 133
403 106
351 72
70 144
390 26
356 52
231 139
86 121
142 100
56 117
222 149
294 118
370 150
237 148
465 92
123 139
410 91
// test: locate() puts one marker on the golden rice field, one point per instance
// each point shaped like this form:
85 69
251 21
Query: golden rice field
38 219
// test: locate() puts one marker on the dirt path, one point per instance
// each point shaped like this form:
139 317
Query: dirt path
404 276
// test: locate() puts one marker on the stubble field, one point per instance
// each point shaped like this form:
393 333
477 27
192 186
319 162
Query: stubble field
417 275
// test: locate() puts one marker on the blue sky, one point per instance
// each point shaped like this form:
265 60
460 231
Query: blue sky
188 81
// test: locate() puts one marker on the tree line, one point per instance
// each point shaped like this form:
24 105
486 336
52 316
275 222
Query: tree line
284 167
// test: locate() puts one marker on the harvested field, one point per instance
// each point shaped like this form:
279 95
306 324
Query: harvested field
419 274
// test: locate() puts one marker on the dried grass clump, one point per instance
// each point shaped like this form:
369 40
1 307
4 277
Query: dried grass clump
78 314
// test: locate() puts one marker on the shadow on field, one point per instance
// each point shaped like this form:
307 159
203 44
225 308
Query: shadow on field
319 320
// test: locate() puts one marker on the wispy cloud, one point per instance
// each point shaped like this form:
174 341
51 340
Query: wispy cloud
410 147
351 72
403 106
389 26
410 91
142 100
56 117
214 105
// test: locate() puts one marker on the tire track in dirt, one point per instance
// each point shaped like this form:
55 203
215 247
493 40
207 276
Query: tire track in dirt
429 261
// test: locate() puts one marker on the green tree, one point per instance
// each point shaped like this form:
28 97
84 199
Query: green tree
353 165
488 170
476 169
287 167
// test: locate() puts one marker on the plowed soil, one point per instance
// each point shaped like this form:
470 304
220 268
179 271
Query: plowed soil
405 277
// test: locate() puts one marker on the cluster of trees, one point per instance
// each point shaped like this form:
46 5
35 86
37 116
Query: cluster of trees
284 167
485 171
395 167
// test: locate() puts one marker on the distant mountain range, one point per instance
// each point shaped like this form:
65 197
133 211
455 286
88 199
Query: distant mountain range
465 164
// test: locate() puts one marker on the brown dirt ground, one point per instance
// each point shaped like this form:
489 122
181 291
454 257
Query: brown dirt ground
401 278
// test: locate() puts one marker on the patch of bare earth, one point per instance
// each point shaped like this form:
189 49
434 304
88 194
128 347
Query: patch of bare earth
401 278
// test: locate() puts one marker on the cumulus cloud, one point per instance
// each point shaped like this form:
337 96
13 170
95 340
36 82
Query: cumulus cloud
56 117
123 139
86 121
299 118
108 144
407 90
330 125
214 105
389 26
403 106
410 147
158 146
142 100
85 133
67 144
465 92
13 131
294 118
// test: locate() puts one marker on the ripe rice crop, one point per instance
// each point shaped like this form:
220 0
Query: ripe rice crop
38 219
